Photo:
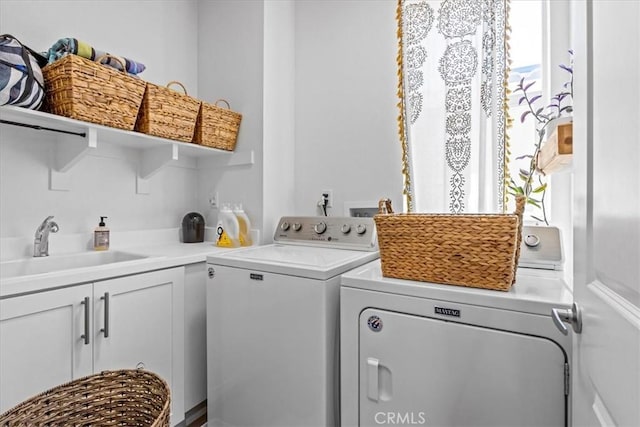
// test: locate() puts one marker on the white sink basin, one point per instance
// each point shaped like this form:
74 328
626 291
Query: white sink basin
30 266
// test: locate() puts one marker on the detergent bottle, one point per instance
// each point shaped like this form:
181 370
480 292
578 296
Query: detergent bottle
244 235
228 228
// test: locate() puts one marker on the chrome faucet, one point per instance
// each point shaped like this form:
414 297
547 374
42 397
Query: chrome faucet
41 242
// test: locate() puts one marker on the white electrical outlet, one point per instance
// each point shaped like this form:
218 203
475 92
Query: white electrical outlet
329 194
213 200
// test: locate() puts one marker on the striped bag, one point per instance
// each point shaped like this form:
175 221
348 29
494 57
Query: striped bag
21 81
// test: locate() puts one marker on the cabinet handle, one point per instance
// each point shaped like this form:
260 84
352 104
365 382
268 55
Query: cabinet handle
373 391
85 336
106 315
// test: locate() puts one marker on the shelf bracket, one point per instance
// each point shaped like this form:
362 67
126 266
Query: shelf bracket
152 160
67 154
242 158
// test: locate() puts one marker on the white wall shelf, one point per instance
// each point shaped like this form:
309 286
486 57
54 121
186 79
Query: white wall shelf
83 138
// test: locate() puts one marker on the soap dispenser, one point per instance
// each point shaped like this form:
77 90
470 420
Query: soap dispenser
101 236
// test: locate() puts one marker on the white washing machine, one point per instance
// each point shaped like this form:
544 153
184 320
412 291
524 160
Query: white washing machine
440 355
272 323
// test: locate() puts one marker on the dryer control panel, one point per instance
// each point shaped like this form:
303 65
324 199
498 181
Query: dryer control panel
541 248
357 233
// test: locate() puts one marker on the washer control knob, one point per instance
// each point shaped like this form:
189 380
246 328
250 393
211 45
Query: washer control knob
297 226
284 226
346 229
320 227
531 240
361 228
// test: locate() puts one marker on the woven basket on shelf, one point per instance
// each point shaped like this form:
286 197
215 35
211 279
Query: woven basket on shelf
475 250
167 113
217 127
125 397
85 90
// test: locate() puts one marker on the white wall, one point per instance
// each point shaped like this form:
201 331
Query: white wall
314 80
102 184
559 43
159 34
254 69
230 64
346 131
322 69
279 159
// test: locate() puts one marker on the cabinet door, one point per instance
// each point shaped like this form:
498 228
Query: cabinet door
195 335
42 343
140 319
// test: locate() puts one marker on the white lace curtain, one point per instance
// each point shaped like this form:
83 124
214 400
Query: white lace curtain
453 60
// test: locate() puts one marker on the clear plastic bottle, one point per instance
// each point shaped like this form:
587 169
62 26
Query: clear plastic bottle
244 235
230 230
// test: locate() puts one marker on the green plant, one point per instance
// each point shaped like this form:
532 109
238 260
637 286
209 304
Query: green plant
561 104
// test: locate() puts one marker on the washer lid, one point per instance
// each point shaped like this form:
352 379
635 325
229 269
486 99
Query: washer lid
535 291
304 261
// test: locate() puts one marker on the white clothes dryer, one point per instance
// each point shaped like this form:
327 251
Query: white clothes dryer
272 323
441 355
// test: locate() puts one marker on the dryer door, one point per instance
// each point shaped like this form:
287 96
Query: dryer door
417 370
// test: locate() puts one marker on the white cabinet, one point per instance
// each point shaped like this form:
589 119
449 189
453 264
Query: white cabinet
132 320
41 343
195 335
139 319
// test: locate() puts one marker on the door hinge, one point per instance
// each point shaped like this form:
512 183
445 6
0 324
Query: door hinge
567 379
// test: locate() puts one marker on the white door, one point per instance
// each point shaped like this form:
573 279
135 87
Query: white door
42 343
424 371
606 368
137 321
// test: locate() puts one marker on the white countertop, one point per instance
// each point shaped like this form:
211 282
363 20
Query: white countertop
535 291
158 256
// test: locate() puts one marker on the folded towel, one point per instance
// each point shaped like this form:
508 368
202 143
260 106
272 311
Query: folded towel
68 45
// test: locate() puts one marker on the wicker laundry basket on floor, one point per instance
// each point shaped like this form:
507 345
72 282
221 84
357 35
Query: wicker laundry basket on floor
110 398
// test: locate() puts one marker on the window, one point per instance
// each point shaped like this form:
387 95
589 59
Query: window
527 44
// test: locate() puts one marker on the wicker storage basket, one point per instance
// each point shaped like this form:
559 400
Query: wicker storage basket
167 113
474 250
85 90
110 398
217 127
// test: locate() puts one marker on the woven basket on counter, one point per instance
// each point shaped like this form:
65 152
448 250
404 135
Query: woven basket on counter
110 398
217 127
475 250
167 113
85 90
